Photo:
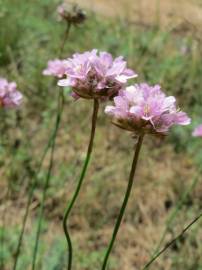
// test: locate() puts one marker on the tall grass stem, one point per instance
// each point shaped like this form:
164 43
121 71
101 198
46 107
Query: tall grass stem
173 241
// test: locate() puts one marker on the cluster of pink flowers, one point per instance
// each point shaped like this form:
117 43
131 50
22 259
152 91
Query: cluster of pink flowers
146 109
93 75
139 108
197 131
9 95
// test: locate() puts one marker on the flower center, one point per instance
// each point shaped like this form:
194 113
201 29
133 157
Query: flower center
146 109
78 68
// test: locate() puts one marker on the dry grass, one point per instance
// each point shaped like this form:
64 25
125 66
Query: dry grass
161 177
165 12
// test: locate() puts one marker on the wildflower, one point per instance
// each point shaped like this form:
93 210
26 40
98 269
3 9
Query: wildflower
93 75
146 109
197 131
55 68
97 76
9 95
71 13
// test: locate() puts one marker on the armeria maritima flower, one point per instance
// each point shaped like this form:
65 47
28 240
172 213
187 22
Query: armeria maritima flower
197 131
93 75
56 68
9 95
146 109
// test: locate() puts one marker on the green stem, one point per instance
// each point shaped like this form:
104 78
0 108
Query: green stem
127 195
178 237
47 181
30 197
66 35
83 173
50 143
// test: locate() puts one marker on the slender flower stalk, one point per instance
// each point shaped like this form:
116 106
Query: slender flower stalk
33 184
56 69
29 201
142 109
47 181
82 176
69 23
58 74
126 198
97 76
72 14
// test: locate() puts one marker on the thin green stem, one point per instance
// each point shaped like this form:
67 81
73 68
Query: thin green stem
173 241
47 181
125 201
66 35
82 176
30 197
51 143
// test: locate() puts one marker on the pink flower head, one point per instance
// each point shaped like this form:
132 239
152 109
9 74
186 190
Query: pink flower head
93 75
9 95
146 109
55 68
197 131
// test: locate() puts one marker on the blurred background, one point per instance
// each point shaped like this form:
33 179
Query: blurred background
161 39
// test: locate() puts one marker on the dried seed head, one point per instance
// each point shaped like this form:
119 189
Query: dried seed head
71 13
